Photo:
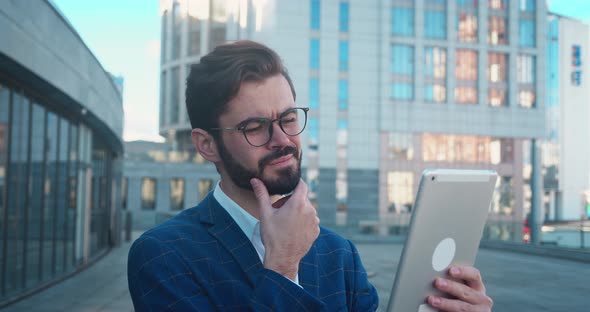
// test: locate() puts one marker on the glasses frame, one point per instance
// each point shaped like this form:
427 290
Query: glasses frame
242 125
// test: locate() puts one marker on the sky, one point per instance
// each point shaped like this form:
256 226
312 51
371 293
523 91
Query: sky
125 37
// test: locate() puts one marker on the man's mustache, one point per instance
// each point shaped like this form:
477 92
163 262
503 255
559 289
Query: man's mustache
278 154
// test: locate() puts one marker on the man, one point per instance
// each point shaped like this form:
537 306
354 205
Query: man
244 247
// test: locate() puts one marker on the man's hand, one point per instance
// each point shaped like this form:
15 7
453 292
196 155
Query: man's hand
470 295
288 232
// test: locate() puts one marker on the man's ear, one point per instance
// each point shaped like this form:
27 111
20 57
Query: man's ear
205 145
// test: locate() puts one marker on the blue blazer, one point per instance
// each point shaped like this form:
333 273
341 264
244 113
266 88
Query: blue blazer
201 260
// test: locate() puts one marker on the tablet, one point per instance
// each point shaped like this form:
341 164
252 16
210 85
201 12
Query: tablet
445 229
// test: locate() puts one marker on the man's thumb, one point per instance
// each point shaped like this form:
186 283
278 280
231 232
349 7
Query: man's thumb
260 192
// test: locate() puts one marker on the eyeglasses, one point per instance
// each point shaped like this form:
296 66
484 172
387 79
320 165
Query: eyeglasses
258 131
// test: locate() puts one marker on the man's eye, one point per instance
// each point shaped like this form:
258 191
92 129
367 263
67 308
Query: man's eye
253 127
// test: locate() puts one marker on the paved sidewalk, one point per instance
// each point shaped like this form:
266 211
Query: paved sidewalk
516 282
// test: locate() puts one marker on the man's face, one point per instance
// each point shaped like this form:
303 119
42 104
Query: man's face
277 163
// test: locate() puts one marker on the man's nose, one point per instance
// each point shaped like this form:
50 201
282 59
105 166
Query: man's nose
279 138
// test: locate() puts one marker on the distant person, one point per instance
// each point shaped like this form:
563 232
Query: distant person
234 251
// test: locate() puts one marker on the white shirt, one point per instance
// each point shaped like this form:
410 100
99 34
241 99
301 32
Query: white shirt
249 225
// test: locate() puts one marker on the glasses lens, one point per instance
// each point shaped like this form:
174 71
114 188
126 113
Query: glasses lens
293 121
256 131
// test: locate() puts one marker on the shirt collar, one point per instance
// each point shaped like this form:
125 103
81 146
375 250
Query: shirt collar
245 221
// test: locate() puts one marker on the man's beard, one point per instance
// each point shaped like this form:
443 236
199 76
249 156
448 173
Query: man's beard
285 182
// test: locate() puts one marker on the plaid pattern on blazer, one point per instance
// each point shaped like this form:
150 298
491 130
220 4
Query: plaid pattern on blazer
201 260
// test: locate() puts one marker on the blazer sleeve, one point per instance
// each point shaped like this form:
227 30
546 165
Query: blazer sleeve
364 295
160 280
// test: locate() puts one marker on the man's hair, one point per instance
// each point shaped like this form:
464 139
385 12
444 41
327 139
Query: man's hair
216 79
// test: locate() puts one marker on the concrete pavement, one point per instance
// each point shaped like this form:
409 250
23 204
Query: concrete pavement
516 282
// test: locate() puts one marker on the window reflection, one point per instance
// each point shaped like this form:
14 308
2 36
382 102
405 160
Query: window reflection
435 19
466 77
466 148
503 198
400 191
435 74
526 71
467 27
402 70
400 146
176 194
497 30
148 193
497 78
402 21
205 186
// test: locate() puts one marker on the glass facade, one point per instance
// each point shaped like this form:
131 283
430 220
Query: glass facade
175 95
526 32
497 79
435 19
400 146
176 194
43 183
402 70
435 74
314 54
497 30
466 21
176 31
343 94
526 73
148 193
466 77
315 14
343 23
312 129
402 21
314 93
205 186
400 191
343 56
466 149
194 36
218 22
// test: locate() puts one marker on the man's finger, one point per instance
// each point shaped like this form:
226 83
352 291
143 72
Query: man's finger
261 194
470 275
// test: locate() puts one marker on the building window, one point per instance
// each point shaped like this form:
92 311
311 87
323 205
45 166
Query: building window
402 70
497 79
526 71
344 16
218 24
466 149
164 36
148 193
205 186
498 4
174 95
314 54
343 56
402 21
315 14
526 32
314 93
176 30
163 98
466 77
402 60
343 94
400 191
435 74
466 22
400 146
497 30
312 132
124 191
342 135
503 198
527 5
194 35
176 194
402 91
435 19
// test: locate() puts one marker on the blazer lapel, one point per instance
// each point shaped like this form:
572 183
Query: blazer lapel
232 238
309 274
